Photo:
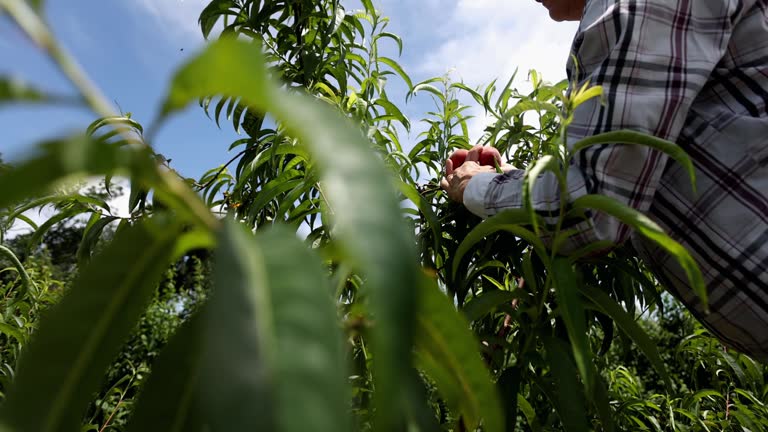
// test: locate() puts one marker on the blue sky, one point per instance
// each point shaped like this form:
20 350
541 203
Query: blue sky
131 48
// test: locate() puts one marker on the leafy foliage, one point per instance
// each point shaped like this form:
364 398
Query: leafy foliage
395 308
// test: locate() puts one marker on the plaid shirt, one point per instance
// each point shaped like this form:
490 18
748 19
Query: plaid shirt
694 72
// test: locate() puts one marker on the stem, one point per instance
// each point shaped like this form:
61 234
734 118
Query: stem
109 419
322 195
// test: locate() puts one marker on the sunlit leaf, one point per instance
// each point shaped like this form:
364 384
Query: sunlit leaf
74 157
632 137
397 68
585 94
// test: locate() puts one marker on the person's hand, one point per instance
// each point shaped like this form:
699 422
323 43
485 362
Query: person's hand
456 180
478 159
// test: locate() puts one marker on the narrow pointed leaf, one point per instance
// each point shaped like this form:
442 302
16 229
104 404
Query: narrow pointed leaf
648 228
398 69
13 90
28 285
546 163
503 221
448 353
631 137
569 397
483 304
629 326
572 311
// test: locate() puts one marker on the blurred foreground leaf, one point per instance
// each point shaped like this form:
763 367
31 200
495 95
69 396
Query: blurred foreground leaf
362 202
448 352
272 357
67 357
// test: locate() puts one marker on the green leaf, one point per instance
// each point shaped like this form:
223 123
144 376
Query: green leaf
509 387
398 69
37 236
631 137
91 236
419 410
572 312
28 286
399 41
585 94
569 397
169 401
509 220
370 231
425 207
213 12
448 352
474 93
193 240
12 332
368 7
80 336
273 358
648 228
77 156
57 200
630 327
392 110
429 89
113 123
529 413
15 90
484 303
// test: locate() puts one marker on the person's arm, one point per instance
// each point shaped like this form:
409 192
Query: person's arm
652 58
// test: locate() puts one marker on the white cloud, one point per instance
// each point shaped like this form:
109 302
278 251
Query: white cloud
178 18
496 36
488 39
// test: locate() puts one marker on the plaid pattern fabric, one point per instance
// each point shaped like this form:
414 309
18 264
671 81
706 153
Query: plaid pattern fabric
694 72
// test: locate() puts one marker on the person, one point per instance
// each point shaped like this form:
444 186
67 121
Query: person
694 72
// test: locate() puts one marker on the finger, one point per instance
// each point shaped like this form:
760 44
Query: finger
474 154
495 152
444 185
449 167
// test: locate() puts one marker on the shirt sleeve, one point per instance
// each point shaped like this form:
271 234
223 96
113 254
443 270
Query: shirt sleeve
652 57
